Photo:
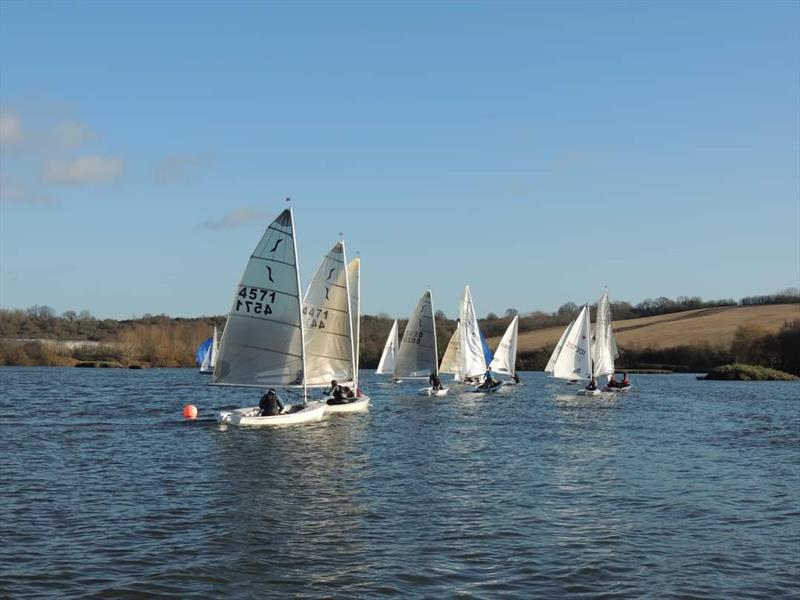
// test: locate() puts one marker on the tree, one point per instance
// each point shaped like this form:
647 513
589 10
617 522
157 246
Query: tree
511 313
440 315
491 316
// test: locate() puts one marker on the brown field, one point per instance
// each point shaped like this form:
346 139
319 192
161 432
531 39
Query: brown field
712 326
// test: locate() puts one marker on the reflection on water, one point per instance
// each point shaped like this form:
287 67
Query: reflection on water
528 492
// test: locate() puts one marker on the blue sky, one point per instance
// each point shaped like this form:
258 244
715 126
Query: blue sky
537 151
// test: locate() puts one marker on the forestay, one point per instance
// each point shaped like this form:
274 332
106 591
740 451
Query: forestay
389 356
327 322
262 344
473 362
416 356
604 349
505 357
574 360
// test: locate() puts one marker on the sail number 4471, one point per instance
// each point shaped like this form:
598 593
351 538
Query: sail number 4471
255 301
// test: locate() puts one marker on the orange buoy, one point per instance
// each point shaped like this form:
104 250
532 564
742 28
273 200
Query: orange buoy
190 411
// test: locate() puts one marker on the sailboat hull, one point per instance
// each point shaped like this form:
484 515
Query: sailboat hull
585 392
429 391
360 404
249 417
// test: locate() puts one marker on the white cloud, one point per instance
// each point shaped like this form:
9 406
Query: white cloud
72 134
87 169
180 166
238 218
10 129
10 192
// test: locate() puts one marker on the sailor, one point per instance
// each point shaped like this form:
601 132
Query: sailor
270 405
434 381
515 378
592 385
612 383
625 380
339 393
488 380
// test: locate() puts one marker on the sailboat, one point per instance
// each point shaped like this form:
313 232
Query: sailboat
505 357
389 354
417 356
572 357
207 354
604 348
262 344
330 320
450 360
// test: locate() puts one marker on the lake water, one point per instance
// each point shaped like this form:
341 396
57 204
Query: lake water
681 489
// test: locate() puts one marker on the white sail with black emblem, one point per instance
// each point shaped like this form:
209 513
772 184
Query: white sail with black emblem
262 344
327 322
417 356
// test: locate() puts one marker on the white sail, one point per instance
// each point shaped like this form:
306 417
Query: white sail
262 344
354 283
327 323
450 360
416 357
557 350
472 361
389 356
604 349
505 357
574 360
214 349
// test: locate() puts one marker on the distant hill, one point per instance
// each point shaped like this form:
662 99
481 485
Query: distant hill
705 326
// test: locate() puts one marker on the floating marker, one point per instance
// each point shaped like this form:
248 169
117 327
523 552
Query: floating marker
190 411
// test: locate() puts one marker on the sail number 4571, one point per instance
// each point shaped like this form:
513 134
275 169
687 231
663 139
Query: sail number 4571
255 301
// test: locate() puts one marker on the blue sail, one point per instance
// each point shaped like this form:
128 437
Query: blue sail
202 350
487 354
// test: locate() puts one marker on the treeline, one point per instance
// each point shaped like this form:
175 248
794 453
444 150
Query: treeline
751 345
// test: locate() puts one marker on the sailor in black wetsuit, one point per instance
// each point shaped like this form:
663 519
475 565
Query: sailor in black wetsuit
339 394
435 382
270 405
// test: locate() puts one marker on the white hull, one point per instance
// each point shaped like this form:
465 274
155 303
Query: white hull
248 417
360 404
617 390
429 391
488 390
586 392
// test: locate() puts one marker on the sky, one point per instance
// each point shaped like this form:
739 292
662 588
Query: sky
536 151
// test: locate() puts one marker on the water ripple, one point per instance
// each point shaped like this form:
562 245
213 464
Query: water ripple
683 489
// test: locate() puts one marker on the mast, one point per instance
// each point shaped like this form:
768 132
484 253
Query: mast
349 314
299 303
435 347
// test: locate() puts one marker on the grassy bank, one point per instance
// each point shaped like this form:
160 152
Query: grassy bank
739 372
